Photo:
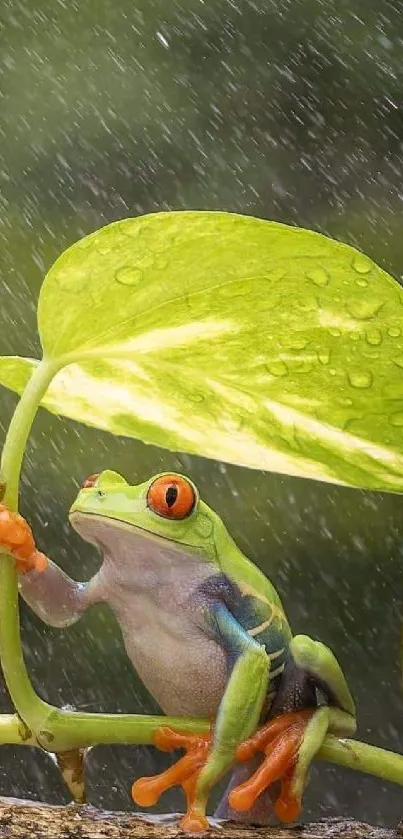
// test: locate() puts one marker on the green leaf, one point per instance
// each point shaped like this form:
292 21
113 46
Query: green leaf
229 337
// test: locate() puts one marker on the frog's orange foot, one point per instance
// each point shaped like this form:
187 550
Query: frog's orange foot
279 740
184 773
16 536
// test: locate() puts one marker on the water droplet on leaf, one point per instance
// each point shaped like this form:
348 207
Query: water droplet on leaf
295 342
373 337
277 368
363 308
128 275
318 276
360 379
394 331
324 356
194 396
362 264
104 247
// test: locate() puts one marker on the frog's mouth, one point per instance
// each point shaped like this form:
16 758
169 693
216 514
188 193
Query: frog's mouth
113 535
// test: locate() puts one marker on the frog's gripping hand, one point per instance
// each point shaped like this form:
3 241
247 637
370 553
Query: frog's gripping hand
53 595
16 536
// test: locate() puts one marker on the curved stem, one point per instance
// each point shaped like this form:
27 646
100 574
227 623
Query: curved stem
65 730
30 707
352 754
20 427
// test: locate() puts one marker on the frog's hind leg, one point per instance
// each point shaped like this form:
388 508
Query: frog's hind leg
313 699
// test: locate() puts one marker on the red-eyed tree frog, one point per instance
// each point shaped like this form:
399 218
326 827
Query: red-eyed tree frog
207 634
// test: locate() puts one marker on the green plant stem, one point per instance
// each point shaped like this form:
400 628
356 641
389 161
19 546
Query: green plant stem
72 729
13 731
30 707
352 754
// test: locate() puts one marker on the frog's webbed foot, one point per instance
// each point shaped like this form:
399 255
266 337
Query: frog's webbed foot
16 536
184 773
280 741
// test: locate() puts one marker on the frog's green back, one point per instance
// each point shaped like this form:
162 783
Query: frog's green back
261 610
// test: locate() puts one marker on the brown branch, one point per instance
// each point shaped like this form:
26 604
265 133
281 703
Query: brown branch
34 820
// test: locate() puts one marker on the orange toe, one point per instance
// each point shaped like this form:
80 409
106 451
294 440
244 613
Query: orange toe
166 739
147 791
287 811
279 740
194 822
184 773
40 560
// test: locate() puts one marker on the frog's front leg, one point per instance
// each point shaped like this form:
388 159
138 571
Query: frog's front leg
53 595
237 718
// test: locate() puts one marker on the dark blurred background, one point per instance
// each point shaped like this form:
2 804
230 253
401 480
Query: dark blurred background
287 110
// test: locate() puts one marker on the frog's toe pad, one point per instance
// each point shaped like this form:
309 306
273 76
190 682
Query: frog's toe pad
279 740
194 822
184 773
16 536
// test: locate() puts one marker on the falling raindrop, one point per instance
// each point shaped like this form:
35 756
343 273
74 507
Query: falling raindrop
163 40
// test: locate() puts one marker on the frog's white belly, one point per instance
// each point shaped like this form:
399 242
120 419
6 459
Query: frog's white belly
151 587
184 669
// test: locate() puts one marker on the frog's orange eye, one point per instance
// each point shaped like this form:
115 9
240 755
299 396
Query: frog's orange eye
90 481
171 496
